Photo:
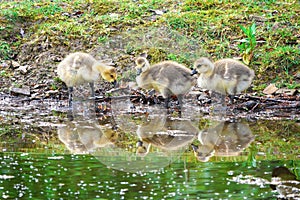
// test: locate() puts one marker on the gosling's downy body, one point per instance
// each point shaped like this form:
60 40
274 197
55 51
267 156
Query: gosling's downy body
225 76
167 77
79 68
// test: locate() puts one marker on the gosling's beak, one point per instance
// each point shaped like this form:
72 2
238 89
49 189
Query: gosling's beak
114 128
138 71
194 72
194 147
115 83
139 143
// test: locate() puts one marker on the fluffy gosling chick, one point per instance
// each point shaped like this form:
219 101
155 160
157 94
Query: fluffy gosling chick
79 68
167 77
225 76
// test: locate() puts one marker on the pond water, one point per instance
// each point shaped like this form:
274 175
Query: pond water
144 152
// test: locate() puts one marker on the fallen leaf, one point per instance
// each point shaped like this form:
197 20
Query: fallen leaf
286 91
270 89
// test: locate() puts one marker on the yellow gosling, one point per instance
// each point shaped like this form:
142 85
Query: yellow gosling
167 77
225 76
79 68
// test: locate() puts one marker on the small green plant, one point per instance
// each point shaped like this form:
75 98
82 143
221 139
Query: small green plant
102 39
247 45
251 161
3 73
177 58
53 87
57 79
259 87
5 50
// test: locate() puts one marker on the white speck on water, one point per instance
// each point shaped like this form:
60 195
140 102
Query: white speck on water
230 173
6 176
122 192
56 158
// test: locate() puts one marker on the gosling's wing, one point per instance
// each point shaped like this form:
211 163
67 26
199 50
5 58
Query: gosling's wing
230 69
173 72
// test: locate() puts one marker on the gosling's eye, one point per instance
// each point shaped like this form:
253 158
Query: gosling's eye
112 76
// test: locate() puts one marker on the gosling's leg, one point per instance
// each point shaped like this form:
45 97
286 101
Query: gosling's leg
70 109
92 89
70 89
166 94
180 101
167 100
231 96
152 96
93 95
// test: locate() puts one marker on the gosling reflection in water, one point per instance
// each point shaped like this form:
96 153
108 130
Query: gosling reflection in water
82 137
165 133
224 139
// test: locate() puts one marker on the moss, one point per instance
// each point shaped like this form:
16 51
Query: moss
156 55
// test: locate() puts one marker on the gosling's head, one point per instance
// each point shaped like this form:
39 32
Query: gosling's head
142 149
202 152
141 64
110 74
112 135
202 65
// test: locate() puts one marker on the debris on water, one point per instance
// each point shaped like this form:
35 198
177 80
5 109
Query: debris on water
251 180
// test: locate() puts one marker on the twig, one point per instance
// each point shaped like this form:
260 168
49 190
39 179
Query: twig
296 105
101 98
267 99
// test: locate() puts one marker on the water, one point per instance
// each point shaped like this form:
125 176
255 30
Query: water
153 154
83 176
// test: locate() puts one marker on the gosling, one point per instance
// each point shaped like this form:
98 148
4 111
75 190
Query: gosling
225 76
167 77
79 68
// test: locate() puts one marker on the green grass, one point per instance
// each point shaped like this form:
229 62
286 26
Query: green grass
212 26
276 139
5 50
